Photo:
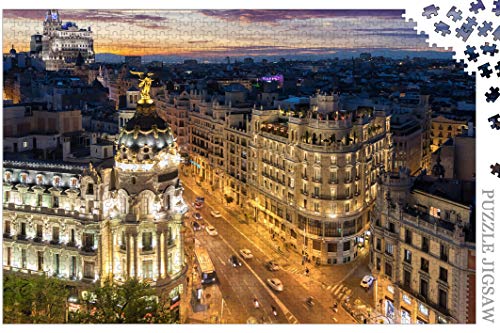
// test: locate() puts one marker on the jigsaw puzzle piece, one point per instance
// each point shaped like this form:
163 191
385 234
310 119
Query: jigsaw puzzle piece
476 6
430 11
443 28
492 95
455 14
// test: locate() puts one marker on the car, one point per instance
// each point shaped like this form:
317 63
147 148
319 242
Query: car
272 266
211 230
197 216
215 213
367 281
233 260
196 226
275 284
200 199
246 253
198 205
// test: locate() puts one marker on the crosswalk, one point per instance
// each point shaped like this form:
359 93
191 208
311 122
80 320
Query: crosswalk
291 318
339 291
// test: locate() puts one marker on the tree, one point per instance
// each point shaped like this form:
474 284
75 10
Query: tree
34 299
131 302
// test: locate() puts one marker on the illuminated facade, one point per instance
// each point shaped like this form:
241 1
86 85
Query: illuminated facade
313 175
422 252
88 224
61 45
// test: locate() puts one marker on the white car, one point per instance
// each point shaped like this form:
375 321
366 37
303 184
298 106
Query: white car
211 230
272 266
275 284
367 281
197 216
215 213
246 253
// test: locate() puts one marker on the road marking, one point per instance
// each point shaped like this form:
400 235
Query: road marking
282 306
337 289
329 287
222 261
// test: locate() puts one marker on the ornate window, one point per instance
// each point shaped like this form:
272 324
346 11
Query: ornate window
23 177
7 176
56 181
73 182
39 179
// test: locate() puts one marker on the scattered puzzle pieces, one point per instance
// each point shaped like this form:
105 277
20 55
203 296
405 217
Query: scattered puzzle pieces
491 49
476 6
455 14
495 169
443 28
497 67
492 95
471 52
466 29
495 121
487 27
430 11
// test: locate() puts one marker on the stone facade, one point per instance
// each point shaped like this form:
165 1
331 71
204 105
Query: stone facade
422 252
62 44
312 175
86 224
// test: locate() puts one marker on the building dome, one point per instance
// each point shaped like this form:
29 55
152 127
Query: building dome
144 137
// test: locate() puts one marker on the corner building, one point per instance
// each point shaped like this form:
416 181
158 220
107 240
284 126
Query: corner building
423 250
85 225
312 175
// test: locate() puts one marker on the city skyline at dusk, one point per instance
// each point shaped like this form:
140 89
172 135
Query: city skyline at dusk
210 34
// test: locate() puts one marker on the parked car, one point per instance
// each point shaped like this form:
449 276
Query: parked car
196 226
215 213
246 253
211 230
272 266
367 281
233 260
197 216
275 284
198 205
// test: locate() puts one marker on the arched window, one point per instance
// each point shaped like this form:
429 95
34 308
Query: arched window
39 179
7 176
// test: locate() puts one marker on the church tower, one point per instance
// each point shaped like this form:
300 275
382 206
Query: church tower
52 21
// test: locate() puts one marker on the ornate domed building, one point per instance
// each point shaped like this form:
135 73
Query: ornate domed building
144 201
86 224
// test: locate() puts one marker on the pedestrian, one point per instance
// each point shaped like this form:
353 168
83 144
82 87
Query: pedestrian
307 271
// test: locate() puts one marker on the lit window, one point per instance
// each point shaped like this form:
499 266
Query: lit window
39 179
57 181
23 177
25 144
436 212
74 182
7 177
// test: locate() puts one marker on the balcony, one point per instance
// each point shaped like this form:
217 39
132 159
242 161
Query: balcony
347 180
7 235
88 249
38 239
333 181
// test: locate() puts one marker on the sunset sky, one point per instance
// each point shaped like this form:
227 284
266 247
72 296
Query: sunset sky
217 33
